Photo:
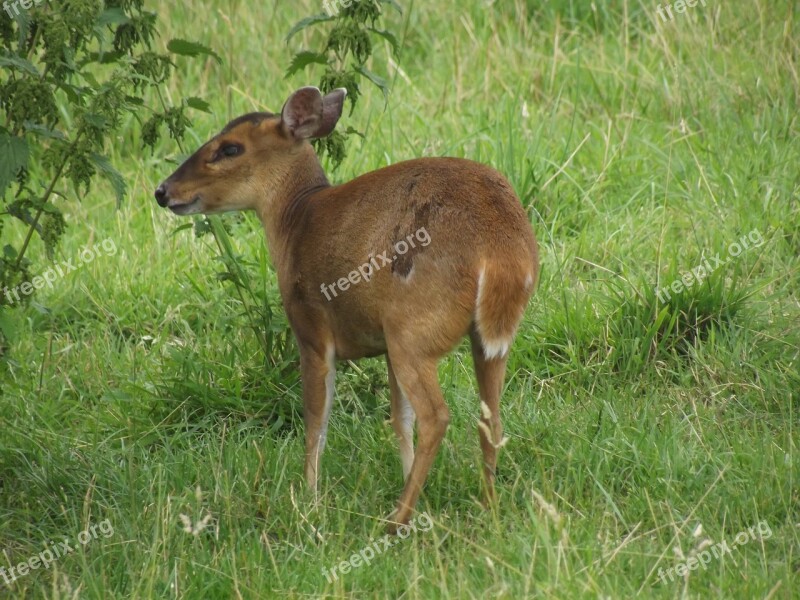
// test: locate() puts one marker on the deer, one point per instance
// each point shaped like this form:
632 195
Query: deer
473 278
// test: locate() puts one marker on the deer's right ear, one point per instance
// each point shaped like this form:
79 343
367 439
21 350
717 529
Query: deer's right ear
301 116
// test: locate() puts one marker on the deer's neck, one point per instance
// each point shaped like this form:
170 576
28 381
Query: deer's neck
284 204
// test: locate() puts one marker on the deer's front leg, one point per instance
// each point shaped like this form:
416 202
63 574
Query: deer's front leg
317 372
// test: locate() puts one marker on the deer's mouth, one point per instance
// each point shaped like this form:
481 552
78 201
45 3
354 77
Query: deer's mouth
185 208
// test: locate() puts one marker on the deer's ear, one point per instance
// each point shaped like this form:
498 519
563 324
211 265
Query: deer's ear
307 114
332 105
302 114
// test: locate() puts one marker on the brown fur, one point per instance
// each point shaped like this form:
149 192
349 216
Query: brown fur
415 309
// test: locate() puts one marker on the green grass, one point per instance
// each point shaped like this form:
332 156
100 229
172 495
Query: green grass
137 392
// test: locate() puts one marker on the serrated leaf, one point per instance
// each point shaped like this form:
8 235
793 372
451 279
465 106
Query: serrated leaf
20 209
19 63
198 104
47 207
109 172
308 22
23 21
96 120
302 59
72 94
90 79
389 37
201 226
113 16
134 100
187 48
43 131
104 58
376 79
13 156
351 130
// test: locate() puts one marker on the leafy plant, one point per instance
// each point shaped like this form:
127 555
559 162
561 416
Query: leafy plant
72 71
344 56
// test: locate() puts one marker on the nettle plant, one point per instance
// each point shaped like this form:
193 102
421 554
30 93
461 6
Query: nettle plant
72 72
348 46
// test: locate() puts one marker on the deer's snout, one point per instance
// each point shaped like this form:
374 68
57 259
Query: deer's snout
161 195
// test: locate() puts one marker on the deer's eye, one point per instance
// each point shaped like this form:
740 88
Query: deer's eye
227 151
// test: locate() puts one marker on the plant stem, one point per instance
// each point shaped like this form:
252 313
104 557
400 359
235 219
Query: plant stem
45 198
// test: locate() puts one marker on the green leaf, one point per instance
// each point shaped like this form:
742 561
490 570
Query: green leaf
13 157
74 93
109 172
21 209
23 21
202 226
91 79
352 131
198 104
187 48
307 22
96 120
182 227
302 59
44 131
113 16
134 100
376 79
8 325
17 62
389 37
104 58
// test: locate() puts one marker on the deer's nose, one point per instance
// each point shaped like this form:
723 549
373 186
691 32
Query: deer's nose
161 195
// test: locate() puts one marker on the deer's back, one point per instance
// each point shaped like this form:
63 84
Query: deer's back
467 209
427 224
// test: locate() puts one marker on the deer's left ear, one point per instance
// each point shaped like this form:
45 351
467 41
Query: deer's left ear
332 106
307 114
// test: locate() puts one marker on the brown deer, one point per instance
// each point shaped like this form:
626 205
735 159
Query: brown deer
474 275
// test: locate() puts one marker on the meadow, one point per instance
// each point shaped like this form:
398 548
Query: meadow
652 408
